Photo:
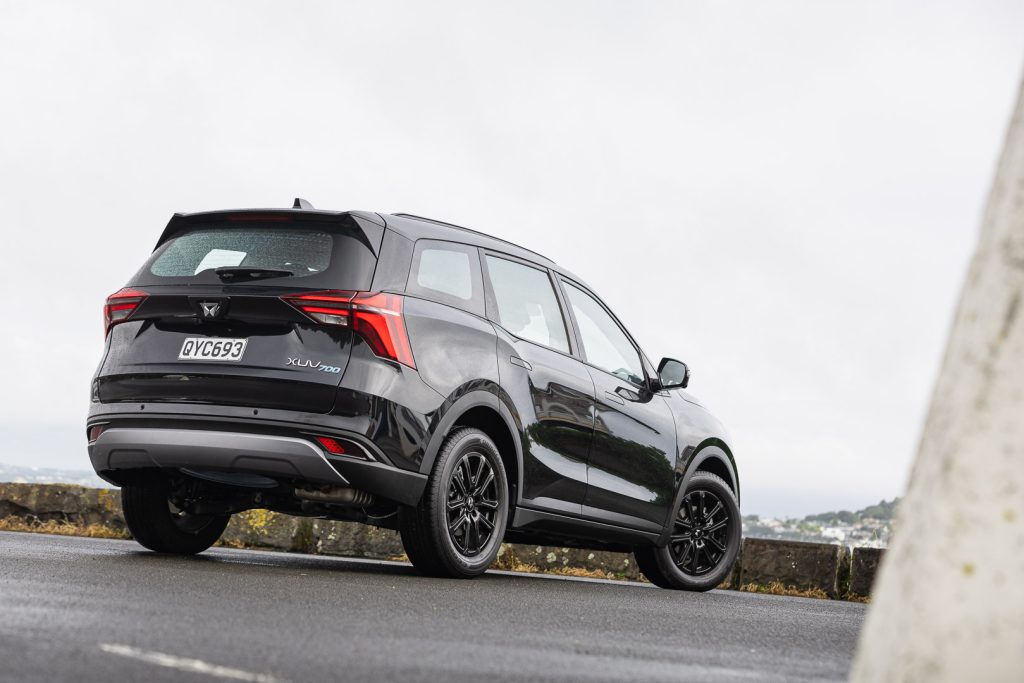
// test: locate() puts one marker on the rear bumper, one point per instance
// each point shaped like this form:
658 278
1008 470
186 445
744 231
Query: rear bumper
121 449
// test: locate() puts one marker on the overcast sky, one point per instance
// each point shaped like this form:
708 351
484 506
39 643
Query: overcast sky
783 194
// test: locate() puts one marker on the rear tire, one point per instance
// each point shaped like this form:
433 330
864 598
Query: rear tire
156 526
457 528
704 541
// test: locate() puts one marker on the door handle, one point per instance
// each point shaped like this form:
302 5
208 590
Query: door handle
516 360
627 394
614 398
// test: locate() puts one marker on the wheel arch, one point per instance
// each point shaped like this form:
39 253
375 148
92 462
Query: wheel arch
481 410
712 455
715 456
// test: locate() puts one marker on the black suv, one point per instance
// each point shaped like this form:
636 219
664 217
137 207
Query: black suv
407 373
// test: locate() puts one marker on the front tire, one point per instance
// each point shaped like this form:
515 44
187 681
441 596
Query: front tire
457 528
156 524
704 542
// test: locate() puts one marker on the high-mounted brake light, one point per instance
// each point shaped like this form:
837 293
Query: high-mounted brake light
376 317
259 218
120 305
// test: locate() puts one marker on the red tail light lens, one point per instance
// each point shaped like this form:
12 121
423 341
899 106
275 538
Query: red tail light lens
376 317
120 306
327 308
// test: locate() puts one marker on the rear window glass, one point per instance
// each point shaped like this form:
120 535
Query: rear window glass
307 257
300 252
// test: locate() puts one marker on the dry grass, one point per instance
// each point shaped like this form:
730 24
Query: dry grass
510 563
60 528
776 588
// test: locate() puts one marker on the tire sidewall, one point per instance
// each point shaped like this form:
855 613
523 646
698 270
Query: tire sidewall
469 442
148 518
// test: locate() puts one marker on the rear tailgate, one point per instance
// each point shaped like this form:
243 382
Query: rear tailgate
209 324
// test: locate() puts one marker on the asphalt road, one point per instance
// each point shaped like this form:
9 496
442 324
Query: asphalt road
97 610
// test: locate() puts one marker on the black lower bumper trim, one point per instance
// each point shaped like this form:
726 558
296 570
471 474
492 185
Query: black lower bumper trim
123 449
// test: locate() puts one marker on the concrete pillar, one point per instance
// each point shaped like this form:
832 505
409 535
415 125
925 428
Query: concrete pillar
949 602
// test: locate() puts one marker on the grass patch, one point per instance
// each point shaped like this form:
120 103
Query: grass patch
60 528
510 563
777 588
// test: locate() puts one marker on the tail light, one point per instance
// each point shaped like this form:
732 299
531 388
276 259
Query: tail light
376 317
120 306
327 308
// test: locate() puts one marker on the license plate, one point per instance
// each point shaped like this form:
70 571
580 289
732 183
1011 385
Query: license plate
212 348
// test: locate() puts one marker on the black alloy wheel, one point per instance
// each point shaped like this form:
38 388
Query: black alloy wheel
704 541
699 538
472 504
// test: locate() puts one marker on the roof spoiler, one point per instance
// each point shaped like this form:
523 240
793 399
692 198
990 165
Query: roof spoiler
371 225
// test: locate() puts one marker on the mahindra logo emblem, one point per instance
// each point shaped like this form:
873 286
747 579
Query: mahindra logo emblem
210 309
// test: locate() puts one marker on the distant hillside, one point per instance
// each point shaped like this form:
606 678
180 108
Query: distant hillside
47 475
870 527
884 510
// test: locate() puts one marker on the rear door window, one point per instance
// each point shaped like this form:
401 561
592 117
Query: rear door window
449 273
527 304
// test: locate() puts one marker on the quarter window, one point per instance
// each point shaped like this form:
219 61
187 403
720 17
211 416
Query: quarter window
527 305
604 343
448 273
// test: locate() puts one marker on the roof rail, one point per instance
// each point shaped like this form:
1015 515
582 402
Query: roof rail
475 232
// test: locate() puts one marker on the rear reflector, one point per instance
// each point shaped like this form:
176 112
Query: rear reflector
331 445
376 317
95 431
120 305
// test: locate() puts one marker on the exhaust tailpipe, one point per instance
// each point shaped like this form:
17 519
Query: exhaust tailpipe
335 495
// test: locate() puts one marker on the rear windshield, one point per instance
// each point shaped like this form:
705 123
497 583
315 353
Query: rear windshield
328 257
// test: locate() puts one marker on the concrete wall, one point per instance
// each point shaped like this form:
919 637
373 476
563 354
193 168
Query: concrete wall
828 569
950 600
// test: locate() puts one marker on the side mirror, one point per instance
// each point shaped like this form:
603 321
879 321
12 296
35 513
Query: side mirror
673 374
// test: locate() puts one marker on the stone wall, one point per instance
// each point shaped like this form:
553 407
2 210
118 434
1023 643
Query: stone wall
831 569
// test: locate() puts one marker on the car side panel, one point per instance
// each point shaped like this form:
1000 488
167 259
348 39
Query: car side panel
454 350
630 470
552 394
